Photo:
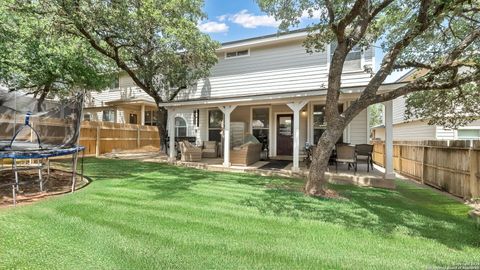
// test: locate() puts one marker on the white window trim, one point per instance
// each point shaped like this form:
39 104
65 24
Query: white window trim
362 60
251 116
312 129
176 127
237 56
208 122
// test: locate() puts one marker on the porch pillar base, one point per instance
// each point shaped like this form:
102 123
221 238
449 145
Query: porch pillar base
389 176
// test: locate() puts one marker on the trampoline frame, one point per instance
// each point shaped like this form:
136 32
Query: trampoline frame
44 163
42 153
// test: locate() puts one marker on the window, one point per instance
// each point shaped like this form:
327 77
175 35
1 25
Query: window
108 115
353 61
133 118
87 117
241 53
260 123
468 134
215 119
319 124
150 118
180 127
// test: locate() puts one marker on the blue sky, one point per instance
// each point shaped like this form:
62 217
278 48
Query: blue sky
234 20
240 19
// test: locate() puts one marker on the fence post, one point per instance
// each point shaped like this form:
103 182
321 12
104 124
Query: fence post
138 137
474 160
400 147
424 152
97 142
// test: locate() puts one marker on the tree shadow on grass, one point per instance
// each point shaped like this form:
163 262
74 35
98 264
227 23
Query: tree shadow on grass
380 211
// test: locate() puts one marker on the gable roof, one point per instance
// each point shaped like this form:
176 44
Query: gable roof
280 37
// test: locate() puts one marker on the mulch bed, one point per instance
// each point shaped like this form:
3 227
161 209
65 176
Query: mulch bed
58 182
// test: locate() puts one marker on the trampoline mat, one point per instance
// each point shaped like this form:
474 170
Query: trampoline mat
27 150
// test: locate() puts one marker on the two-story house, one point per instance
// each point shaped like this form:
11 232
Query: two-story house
267 86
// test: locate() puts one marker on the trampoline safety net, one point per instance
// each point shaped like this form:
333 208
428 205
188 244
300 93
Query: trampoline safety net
30 126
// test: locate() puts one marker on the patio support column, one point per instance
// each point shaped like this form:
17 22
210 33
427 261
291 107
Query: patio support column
389 172
227 110
172 157
142 115
296 107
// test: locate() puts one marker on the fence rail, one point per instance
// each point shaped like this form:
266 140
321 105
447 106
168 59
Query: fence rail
97 137
104 137
452 166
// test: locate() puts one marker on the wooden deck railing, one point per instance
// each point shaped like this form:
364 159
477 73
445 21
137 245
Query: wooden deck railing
452 166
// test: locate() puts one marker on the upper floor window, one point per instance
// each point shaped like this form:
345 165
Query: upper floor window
353 61
235 54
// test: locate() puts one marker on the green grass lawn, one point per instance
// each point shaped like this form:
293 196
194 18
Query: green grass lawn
144 215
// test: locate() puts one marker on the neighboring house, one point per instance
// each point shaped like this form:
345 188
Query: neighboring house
418 129
267 86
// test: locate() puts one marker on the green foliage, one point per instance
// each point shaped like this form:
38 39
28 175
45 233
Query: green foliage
451 108
436 47
35 57
154 216
156 42
376 115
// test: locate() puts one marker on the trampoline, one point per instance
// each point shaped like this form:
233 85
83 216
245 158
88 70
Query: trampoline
37 131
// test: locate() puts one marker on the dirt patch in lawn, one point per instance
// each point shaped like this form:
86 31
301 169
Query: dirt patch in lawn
58 182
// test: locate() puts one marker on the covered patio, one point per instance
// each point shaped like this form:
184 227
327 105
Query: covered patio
289 122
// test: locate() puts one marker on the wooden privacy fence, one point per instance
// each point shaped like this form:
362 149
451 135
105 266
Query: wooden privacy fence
452 166
98 137
105 137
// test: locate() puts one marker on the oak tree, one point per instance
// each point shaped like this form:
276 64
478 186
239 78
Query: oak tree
440 36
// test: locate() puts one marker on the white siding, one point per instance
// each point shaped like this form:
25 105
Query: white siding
413 131
444 134
283 68
358 129
399 110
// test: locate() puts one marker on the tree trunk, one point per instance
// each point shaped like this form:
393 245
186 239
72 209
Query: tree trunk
43 96
162 126
316 178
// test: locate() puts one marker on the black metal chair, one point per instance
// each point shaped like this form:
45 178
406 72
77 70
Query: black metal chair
364 153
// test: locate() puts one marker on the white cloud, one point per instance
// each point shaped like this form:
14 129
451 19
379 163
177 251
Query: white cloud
249 20
315 14
213 27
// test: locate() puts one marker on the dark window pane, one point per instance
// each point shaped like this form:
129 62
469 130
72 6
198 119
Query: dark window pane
214 135
231 54
133 118
108 115
260 118
242 53
318 116
148 118
181 132
261 134
215 119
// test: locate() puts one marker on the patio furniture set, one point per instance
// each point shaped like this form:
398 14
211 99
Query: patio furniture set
346 154
245 154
